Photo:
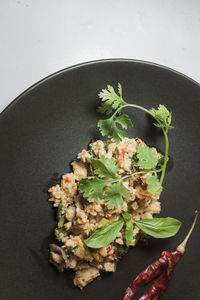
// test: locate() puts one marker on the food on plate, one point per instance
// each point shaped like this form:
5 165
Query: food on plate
111 198
161 270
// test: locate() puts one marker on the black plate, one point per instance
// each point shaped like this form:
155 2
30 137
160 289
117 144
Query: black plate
45 128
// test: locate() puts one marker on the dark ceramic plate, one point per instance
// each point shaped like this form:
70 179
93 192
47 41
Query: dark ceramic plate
45 128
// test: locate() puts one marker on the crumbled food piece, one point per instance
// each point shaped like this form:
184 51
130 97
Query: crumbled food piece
85 276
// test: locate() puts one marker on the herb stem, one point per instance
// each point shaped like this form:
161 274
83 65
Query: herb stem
132 105
166 155
133 174
165 131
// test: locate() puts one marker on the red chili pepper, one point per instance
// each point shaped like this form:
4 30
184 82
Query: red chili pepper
161 269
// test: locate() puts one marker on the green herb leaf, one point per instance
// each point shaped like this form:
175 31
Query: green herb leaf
126 216
159 227
115 194
162 116
104 236
110 99
108 127
92 188
129 227
105 167
124 121
153 184
146 158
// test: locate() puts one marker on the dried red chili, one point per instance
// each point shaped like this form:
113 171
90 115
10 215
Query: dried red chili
161 269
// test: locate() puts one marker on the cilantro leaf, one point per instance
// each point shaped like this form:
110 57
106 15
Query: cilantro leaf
146 158
153 184
108 127
129 228
162 116
115 194
105 167
110 99
92 188
124 121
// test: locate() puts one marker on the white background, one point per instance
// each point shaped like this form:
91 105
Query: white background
39 37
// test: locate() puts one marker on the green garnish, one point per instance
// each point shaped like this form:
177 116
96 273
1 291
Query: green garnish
129 228
105 167
111 101
146 158
156 227
153 184
159 227
114 195
103 222
97 187
104 236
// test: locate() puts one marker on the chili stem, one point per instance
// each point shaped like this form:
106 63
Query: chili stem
181 247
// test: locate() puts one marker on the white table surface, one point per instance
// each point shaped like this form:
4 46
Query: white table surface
39 37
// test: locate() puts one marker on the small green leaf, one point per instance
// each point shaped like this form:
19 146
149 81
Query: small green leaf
129 233
162 116
92 188
108 127
104 236
126 216
159 227
124 121
110 99
115 194
105 167
153 184
129 228
146 158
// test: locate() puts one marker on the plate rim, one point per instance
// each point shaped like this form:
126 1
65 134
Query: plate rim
97 61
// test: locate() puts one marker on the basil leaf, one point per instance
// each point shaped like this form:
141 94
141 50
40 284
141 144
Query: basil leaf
104 236
159 227
126 216
129 227
129 233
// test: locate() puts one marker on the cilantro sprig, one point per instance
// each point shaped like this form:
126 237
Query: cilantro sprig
111 101
109 185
